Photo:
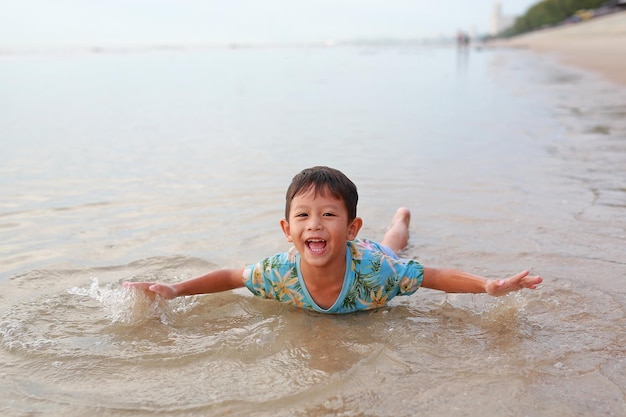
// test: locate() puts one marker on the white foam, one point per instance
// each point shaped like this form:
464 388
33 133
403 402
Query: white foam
124 305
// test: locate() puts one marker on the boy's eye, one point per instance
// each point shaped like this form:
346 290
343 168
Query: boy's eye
328 214
301 215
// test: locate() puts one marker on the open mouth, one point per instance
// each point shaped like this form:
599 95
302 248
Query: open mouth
316 245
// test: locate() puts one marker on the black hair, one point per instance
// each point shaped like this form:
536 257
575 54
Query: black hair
322 179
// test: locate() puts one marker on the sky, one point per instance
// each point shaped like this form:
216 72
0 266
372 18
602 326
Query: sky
141 22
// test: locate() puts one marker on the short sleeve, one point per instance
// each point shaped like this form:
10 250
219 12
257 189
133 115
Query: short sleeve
411 275
275 278
255 279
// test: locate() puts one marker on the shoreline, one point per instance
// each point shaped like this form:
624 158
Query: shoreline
597 45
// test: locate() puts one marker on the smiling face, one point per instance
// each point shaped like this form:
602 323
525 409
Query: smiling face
319 227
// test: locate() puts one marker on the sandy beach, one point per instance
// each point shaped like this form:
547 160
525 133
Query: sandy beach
598 45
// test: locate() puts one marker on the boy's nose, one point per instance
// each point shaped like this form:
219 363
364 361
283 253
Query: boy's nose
314 223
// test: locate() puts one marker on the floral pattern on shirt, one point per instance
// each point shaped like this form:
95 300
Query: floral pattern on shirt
372 279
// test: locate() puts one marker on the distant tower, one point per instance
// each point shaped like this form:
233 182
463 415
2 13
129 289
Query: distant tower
496 17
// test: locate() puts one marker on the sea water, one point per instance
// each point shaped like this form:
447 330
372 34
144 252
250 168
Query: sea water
162 165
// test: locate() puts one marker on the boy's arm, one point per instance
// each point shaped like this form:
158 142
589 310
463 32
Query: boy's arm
454 281
214 281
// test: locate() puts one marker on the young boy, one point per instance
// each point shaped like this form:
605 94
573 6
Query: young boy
328 269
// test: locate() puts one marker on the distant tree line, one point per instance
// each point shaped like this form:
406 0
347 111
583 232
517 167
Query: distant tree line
549 13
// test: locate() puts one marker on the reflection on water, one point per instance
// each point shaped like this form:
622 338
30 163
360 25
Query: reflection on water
176 163
462 60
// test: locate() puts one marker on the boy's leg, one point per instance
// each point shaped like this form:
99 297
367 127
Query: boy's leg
397 236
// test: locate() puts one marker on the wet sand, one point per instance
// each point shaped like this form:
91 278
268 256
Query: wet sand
597 45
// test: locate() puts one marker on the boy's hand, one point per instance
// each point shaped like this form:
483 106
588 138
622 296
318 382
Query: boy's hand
501 287
164 290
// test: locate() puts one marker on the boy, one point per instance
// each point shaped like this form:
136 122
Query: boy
330 271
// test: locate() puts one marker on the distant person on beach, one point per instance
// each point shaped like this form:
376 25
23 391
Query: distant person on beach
462 39
328 269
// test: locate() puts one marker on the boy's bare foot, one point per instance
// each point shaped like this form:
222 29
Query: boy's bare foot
403 215
397 236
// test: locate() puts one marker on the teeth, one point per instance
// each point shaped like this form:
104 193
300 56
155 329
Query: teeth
316 245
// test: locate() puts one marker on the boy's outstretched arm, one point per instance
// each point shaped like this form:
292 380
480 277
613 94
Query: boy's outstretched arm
214 281
455 281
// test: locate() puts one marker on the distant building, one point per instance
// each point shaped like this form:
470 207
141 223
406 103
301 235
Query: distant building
499 21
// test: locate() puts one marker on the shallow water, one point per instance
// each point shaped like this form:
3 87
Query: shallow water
164 165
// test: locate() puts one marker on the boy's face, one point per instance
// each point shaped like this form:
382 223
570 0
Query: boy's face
319 228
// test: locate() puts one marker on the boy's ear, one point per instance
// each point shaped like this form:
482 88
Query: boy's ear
284 224
354 227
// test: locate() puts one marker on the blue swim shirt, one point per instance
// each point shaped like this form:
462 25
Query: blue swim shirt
373 278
